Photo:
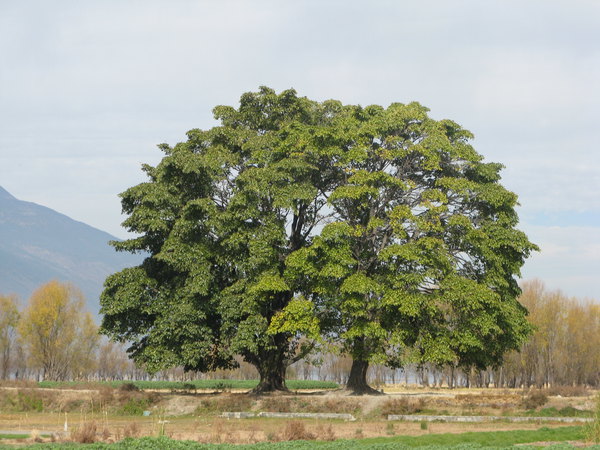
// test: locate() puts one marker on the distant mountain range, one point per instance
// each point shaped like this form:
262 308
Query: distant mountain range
38 244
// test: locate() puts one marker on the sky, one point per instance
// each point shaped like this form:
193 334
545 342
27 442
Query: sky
88 89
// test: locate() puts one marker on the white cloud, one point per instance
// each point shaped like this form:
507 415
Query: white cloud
90 88
569 259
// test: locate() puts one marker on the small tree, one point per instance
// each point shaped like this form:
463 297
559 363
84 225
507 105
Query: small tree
59 337
9 318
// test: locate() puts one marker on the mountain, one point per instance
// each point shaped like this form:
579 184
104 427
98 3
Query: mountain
38 244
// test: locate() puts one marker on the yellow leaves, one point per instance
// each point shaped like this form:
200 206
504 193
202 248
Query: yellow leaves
269 283
51 307
9 314
564 346
297 317
57 334
360 283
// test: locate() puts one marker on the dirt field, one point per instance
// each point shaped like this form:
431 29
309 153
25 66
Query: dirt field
111 414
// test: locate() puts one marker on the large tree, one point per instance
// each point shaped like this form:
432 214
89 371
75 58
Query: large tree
218 219
380 229
421 255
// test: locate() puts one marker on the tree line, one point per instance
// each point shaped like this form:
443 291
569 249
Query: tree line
54 338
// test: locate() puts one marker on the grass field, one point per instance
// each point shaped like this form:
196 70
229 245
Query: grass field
500 439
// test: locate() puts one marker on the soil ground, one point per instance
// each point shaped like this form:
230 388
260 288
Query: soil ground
195 416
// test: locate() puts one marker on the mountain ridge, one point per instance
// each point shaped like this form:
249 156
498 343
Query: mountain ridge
39 244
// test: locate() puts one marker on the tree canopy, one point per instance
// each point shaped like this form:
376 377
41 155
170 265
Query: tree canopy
379 230
59 336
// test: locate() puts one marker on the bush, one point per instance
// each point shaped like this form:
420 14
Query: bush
30 401
296 431
134 407
534 400
128 387
85 434
402 406
233 402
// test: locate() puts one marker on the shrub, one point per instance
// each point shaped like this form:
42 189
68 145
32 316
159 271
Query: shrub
534 400
223 386
325 433
128 387
233 402
296 431
134 407
85 434
402 406
189 388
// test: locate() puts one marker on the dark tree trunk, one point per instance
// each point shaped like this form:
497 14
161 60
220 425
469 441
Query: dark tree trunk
357 381
271 369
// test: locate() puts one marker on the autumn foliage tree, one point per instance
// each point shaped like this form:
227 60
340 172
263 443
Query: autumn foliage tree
59 337
563 349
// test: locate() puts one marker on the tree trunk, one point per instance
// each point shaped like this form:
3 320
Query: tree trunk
271 369
357 381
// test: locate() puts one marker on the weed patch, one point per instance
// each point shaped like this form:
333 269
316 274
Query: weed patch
592 432
534 399
232 402
296 431
85 434
402 406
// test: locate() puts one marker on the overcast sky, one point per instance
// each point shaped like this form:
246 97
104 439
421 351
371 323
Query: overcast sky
87 90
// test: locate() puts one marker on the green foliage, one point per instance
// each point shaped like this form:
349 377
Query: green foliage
377 229
134 407
218 218
420 258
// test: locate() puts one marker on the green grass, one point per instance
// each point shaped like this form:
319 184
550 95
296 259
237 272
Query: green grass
13 436
496 439
567 411
197 384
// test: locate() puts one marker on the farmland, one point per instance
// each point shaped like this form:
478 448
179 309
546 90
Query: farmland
103 413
